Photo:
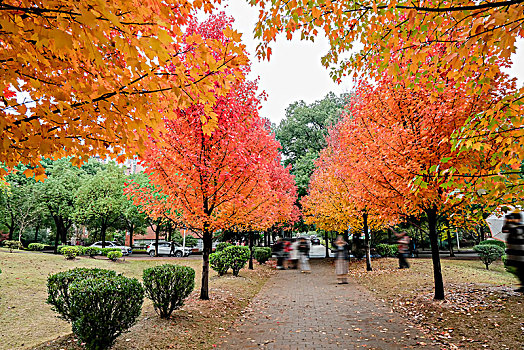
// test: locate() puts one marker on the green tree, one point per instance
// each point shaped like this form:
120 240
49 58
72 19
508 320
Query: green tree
57 195
302 134
100 200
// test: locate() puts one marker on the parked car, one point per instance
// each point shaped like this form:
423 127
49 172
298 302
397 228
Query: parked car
110 244
315 241
164 248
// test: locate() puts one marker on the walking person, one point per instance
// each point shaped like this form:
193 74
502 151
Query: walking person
172 249
342 260
515 246
278 251
303 248
294 254
403 249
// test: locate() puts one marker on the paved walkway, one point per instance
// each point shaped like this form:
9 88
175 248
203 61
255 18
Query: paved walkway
311 311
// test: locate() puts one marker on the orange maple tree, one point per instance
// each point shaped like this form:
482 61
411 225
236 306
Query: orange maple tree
368 37
85 78
217 180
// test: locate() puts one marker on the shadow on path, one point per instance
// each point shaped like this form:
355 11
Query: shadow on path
311 311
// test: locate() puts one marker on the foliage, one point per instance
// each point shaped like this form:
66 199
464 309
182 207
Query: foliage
10 244
168 286
70 252
262 254
36 246
387 250
493 242
106 251
488 253
114 255
302 134
58 287
190 240
236 257
221 246
92 251
80 59
104 307
219 262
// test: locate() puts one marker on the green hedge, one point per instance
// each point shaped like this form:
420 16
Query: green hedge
387 250
262 254
107 250
36 246
92 251
236 257
488 253
493 242
70 252
114 255
58 287
168 286
221 246
103 308
218 262
11 245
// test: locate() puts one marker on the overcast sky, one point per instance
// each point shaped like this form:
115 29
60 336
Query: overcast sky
294 72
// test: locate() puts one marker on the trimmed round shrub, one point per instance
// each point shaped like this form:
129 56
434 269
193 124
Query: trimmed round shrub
493 242
236 257
103 308
168 286
218 262
488 253
114 256
387 250
58 287
262 254
105 251
92 251
69 252
36 246
11 245
221 246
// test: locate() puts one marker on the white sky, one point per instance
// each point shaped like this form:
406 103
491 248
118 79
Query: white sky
294 72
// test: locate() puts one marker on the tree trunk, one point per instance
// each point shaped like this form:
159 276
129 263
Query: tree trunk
103 229
450 245
157 234
433 239
251 250
131 230
327 243
56 242
366 239
11 232
37 228
208 243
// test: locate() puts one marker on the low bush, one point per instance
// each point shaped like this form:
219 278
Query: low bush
387 250
493 242
69 252
488 253
114 255
168 286
104 251
103 308
92 251
36 246
236 257
218 262
58 287
221 246
11 245
139 251
262 254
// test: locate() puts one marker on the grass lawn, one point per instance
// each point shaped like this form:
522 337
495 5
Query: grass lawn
26 321
481 309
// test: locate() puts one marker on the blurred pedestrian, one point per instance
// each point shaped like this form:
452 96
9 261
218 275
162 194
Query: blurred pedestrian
515 246
278 251
293 254
403 249
342 259
303 248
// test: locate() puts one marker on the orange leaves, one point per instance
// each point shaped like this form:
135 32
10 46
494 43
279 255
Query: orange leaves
99 71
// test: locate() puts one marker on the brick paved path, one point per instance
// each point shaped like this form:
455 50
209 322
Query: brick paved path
311 311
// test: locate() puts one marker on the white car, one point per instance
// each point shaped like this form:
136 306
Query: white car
109 244
164 248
